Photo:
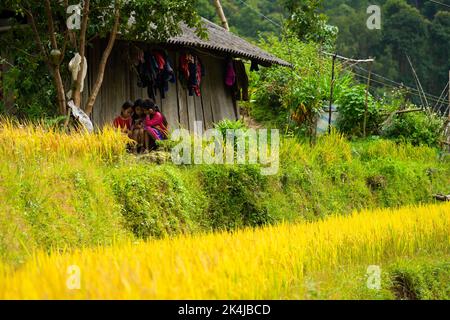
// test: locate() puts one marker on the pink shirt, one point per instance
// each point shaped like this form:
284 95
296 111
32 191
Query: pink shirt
157 120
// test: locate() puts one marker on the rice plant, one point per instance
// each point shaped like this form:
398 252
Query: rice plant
267 263
30 142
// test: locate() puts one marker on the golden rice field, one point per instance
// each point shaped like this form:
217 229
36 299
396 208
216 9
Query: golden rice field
268 263
29 141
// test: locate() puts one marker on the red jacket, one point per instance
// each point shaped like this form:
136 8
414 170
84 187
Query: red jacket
122 123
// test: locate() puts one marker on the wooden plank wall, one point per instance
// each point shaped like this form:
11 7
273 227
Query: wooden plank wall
169 105
181 110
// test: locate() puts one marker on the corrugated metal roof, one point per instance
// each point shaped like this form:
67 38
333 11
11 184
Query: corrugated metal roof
225 41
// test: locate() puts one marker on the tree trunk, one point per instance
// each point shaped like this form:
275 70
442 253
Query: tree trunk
101 71
82 51
55 61
221 15
60 92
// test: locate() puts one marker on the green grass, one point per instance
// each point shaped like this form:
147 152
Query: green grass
74 191
421 277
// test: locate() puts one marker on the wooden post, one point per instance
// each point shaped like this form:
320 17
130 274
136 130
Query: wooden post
366 111
419 87
331 94
221 15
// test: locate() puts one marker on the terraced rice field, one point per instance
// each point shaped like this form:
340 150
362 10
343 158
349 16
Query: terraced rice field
267 263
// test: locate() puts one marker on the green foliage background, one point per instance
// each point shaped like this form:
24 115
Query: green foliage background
419 28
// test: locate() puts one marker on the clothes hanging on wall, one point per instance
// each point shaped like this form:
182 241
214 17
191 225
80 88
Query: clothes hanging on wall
165 73
230 73
240 87
254 66
155 71
191 73
140 56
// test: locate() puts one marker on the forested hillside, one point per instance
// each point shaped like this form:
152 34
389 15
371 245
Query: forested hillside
420 29
244 18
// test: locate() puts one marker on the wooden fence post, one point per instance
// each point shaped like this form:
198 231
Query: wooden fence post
331 93
366 111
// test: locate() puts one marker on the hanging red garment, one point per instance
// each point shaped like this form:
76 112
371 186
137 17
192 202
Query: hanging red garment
199 78
184 65
160 60
230 75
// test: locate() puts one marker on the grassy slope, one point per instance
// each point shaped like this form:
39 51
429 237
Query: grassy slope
80 190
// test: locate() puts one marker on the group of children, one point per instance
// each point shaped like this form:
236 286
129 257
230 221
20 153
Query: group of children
144 123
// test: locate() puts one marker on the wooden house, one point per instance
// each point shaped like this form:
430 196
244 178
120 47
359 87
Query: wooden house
216 101
181 110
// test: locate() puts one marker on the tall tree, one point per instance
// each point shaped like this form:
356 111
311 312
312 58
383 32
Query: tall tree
405 31
308 23
440 48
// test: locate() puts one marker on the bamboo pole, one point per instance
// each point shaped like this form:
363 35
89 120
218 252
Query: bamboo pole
221 15
366 111
348 59
419 85
331 93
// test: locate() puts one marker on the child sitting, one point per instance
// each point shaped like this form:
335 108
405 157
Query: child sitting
155 125
138 124
124 121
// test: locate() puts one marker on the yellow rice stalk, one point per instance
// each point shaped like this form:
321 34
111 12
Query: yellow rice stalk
28 141
267 263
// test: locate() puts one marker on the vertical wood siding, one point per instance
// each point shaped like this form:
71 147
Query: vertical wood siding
181 110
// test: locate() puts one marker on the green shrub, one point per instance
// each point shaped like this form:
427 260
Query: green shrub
33 89
226 124
234 196
291 97
352 109
418 128
157 201
64 204
421 280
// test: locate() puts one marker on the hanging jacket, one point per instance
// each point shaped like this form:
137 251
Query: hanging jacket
184 67
155 72
165 73
230 74
160 60
191 73
241 83
139 58
147 74
169 74
254 66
